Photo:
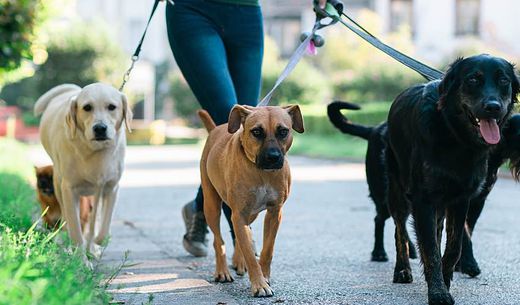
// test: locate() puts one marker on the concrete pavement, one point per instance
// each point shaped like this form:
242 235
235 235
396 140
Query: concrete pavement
322 250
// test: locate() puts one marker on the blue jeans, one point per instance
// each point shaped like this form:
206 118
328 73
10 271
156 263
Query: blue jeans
218 48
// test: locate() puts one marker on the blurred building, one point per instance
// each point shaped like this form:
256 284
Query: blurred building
440 26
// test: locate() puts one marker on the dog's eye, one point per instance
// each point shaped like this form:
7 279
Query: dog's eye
111 107
503 81
473 81
257 133
282 133
87 108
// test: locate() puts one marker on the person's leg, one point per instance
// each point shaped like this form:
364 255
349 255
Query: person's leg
245 49
200 54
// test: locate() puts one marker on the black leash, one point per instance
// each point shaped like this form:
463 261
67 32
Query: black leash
135 56
426 71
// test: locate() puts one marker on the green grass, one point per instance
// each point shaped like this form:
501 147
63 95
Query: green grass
34 269
321 139
329 146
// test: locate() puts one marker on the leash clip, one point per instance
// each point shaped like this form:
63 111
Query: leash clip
333 10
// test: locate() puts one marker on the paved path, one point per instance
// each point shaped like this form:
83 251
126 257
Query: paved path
322 250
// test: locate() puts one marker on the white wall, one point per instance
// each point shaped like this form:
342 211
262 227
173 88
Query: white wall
434 24
500 24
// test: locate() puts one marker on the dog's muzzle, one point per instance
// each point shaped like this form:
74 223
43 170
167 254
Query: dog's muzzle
493 109
271 158
100 132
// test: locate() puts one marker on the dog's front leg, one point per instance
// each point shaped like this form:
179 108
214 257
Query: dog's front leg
426 228
90 234
259 285
455 220
109 198
70 211
272 221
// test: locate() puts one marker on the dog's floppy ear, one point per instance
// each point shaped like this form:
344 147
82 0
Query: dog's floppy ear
450 82
296 116
515 85
237 117
71 119
127 114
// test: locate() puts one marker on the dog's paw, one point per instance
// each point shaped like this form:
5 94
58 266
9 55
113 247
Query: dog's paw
261 288
223 276
379 256
87 262
403 276
440 298
239 263
468 266
95 251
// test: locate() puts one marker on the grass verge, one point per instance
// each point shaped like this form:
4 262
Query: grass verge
329 146
34 269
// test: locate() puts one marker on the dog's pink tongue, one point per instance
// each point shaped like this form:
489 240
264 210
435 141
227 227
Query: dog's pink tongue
490 131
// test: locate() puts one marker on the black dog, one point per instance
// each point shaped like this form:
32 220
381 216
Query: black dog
377 137
375 166
440 136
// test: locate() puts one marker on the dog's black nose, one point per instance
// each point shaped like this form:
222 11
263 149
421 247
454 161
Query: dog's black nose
273 155
100 130
492 107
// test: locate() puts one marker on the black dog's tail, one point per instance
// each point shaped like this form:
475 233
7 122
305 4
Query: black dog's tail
342 123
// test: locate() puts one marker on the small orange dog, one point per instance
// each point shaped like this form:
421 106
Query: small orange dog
47 199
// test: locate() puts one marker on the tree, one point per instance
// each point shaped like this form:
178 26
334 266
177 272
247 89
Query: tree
18 20
74 56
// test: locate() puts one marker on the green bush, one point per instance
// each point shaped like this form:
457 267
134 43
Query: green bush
18 20
316 120
185 103
74 56
306 84
360 73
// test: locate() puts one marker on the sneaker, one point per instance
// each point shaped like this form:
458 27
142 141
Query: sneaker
194 240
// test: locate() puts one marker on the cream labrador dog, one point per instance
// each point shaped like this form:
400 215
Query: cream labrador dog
82 131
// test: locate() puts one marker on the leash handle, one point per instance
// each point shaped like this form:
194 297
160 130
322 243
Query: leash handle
135 56
332 7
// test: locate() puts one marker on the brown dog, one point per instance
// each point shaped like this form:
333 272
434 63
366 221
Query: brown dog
244 165
47 199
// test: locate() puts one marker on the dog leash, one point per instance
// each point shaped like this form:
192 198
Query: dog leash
424 70
135 56
300 51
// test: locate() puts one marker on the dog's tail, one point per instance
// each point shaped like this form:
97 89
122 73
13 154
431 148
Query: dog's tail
342 123
206 120
44 100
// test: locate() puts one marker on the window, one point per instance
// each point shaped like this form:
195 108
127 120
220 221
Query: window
467 17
